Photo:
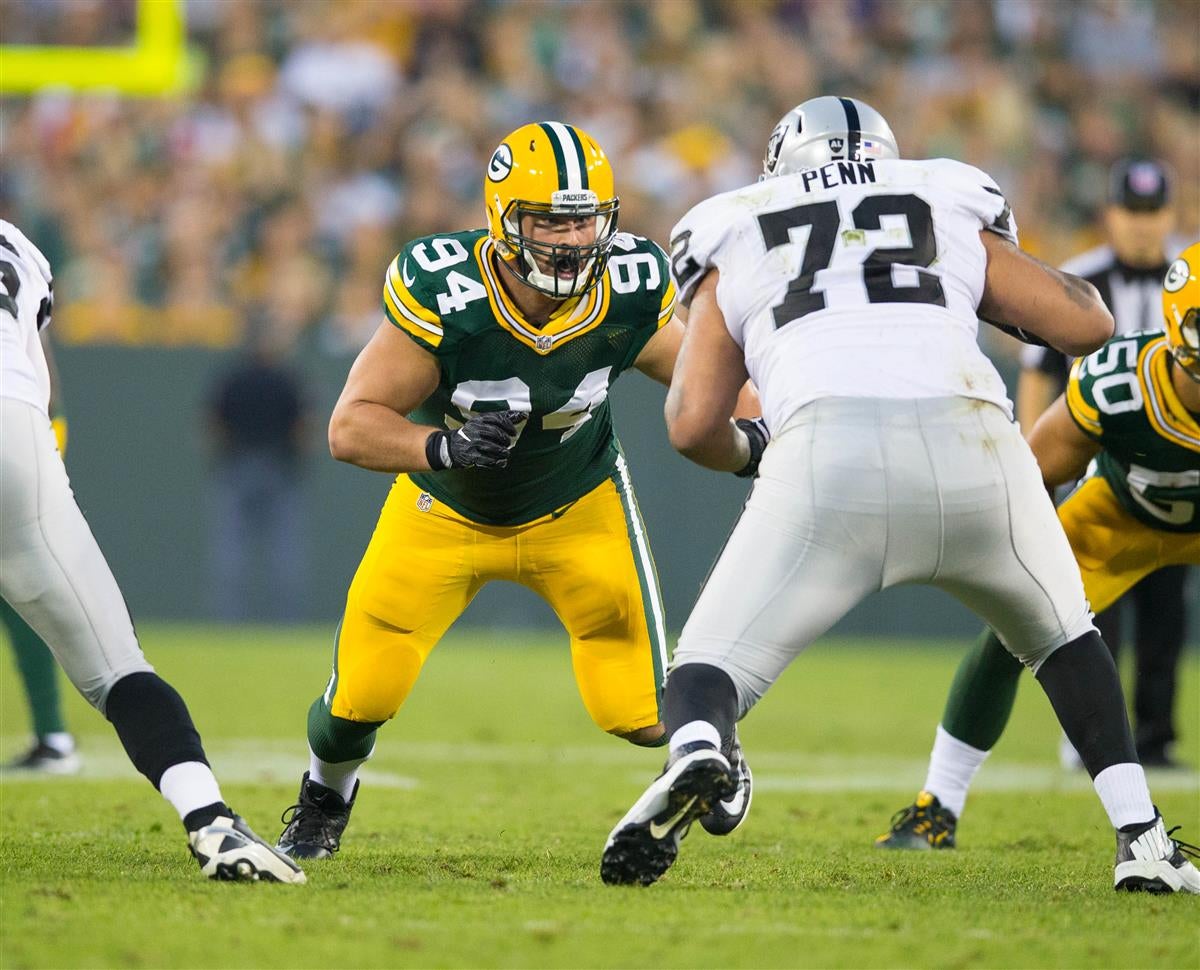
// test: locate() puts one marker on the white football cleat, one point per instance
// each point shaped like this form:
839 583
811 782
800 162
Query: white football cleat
645 842
1149 860
228 850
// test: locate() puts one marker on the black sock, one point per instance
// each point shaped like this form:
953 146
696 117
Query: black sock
200 817
701 692
1081 681
153 724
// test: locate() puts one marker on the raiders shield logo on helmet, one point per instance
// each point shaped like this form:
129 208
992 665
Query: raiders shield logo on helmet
773 145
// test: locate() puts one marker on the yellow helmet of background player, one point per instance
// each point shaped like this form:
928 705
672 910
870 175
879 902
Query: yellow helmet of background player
1181 307
555 169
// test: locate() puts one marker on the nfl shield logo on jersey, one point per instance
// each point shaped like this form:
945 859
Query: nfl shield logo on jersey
424 502
544 342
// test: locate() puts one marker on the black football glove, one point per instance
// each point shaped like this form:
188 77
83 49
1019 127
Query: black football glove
759 436
483 442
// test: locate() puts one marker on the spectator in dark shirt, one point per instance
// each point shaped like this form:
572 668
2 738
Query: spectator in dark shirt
257 420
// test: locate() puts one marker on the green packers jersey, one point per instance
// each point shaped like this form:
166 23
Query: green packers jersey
445 293
1122 397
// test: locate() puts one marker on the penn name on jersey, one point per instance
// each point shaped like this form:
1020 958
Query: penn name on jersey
445 292
1122 397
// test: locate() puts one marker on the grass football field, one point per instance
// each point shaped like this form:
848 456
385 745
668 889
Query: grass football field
478 828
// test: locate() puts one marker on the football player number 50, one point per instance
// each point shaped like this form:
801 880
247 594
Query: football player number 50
816 226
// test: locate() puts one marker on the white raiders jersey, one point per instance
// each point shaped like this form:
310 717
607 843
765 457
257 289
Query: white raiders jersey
856 279
25 303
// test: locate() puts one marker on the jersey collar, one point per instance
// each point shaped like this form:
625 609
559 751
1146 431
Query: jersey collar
574 318
1166 412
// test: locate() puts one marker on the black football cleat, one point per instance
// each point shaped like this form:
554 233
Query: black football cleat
45 759
925 824
728 813
314 825
645 842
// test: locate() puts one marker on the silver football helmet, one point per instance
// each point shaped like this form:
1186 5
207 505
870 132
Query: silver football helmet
827 129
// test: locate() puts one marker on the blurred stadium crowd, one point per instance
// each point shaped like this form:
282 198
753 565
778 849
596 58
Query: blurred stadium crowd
324 133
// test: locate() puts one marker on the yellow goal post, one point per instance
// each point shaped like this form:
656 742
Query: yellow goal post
156 63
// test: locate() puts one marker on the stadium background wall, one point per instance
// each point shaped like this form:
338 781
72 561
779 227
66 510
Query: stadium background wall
139 466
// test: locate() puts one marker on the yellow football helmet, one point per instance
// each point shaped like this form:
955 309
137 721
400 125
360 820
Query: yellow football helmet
1181 307
550 169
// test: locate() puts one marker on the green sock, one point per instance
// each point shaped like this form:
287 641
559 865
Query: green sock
336 739
39 673
982 695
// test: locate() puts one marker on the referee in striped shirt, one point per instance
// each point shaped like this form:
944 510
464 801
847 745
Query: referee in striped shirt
1128 272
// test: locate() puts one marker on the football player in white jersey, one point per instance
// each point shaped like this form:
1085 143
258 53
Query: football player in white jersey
54 575
846 284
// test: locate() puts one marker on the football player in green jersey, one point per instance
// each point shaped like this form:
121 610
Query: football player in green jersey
486 390
1132 410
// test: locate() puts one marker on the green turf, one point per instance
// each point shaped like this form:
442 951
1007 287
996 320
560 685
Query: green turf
477 834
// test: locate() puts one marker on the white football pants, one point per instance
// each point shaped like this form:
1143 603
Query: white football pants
51 569
855 495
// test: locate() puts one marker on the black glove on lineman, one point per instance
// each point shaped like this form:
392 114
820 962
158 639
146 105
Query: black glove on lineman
757 433
483 442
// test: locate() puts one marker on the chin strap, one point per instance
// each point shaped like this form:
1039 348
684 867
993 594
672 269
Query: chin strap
541 281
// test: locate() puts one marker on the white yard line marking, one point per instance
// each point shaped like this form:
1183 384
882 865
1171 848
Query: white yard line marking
271 761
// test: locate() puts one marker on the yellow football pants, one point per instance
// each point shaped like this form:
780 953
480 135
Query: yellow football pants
1114 550
426 562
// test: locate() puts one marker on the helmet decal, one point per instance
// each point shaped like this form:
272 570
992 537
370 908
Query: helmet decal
853 129
774 144
1177 276
501 163
1181 310
568 155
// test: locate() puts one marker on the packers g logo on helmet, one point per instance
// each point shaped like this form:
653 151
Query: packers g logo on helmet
501 164
544 170
1181 308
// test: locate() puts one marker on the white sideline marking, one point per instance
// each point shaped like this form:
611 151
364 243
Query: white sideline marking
270 761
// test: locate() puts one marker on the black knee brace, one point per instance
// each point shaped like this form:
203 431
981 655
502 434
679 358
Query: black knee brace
153 724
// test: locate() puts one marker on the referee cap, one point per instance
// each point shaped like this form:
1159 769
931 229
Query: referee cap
1139 184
